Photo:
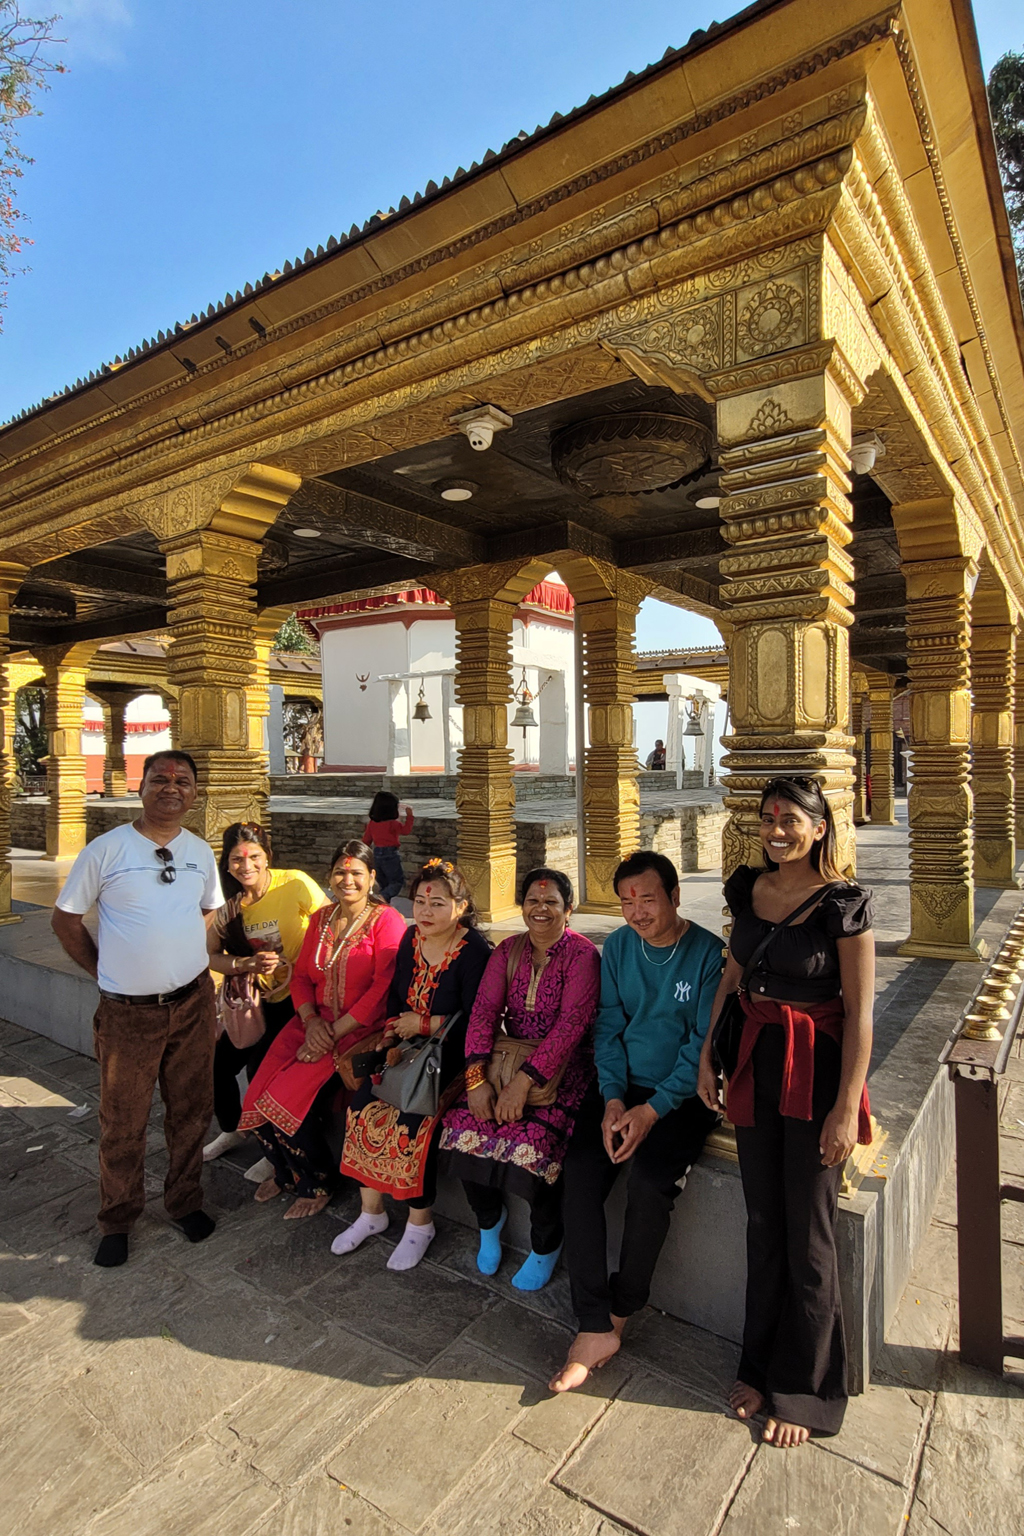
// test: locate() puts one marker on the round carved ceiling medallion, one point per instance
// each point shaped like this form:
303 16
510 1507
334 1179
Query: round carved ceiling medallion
623 455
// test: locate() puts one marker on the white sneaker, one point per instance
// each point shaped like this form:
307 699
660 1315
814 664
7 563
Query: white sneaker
259 1171
227 1141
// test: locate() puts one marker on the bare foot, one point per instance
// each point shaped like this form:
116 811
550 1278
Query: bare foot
587 1352
745 1401
780 1433
300 1208
268 1190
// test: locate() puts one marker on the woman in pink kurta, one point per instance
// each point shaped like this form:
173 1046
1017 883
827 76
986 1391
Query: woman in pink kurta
339 987
499 1142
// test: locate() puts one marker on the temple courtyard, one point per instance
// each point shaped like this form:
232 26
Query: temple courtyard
255 1383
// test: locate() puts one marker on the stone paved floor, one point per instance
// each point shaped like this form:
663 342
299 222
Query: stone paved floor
255 1384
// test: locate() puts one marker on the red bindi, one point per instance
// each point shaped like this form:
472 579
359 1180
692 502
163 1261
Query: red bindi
775 809
632 890
429 889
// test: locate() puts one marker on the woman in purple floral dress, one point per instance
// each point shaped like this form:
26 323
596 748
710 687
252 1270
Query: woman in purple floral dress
543 985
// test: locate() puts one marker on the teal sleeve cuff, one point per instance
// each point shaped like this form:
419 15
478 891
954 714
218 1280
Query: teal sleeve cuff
661 1103
613 1091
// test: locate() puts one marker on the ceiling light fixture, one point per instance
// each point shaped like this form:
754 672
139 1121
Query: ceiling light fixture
708 503
457 490
308 533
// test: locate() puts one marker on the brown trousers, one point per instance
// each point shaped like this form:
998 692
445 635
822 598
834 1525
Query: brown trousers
136 1047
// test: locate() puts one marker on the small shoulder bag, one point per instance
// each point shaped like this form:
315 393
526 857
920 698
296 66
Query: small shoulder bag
413 1084
725 1037
508 1054
239 1007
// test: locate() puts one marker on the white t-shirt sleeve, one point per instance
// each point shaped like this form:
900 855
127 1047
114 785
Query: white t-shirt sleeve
212 895
82 886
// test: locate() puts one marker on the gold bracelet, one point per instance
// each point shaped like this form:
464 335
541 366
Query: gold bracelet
475 1077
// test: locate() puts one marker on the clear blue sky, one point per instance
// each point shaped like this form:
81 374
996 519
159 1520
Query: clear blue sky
196 144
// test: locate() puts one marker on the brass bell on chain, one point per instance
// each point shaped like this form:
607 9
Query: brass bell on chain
422 710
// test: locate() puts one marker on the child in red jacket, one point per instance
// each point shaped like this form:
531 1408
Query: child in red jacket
382 832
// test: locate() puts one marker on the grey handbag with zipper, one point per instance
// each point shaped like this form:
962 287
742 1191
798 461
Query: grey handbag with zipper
413 1084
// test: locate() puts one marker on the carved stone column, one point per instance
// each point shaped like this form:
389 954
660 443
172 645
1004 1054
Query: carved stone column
786 592
212 616
993 685
174 730
611 796
11 576
1018 737
258 692
857 693
115 701
65 671
940 580
883 801
485 797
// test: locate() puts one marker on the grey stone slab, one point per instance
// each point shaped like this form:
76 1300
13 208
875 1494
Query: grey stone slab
42 1053
971 1476
12 1317
321 1507
53 1223
417 1450
519 1337
557 1423
43 1179
291 1255
58 1469
881 1431
659 1461
508 1494
701 1361
459 1257
417 1314
209 1491
11 1033
82 1070
935 1268
806 1490
301 1415
914 1349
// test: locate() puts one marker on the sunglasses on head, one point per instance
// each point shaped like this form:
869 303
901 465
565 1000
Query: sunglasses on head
168 872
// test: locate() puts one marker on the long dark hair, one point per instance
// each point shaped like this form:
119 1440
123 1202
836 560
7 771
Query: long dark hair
355 848
452 878
808 795
384 807
240 832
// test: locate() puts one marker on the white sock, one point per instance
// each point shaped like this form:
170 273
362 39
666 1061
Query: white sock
415 1242
259 1171
363 1227
225 1142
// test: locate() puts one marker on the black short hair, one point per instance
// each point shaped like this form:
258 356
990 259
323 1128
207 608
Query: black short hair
556 876
384 807
640 862
171 755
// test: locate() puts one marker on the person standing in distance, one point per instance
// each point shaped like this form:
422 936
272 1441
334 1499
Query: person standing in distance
152 883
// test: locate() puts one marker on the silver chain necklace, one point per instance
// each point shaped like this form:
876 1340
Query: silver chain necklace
659 963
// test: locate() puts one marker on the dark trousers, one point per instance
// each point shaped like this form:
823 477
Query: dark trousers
136 1047
793 1346
390 874
229 1060
488 1202
304 1161
662 1159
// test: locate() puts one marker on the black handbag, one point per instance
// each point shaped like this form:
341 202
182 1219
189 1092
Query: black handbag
728 1028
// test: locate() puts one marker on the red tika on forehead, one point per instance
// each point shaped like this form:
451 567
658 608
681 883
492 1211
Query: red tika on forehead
632 891
350 864
428 889
775 808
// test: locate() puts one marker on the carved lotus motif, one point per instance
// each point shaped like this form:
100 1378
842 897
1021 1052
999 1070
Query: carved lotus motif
621 455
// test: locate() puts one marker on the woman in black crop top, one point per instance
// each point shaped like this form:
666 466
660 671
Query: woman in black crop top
798 1100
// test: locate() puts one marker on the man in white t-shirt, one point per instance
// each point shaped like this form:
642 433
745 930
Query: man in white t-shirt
151 883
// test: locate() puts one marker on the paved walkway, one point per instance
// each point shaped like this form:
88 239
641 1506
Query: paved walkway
255 1384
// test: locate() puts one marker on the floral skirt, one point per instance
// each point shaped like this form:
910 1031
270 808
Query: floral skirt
535 1145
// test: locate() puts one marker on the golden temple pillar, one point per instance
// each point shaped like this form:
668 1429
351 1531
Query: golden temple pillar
11 577
65 671
211 582
611 795
114 701
485 798
1018 737
258 693
883 799
940 579
858 690
993 685
171 706
787 596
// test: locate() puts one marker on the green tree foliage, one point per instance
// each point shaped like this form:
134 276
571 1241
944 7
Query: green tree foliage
1006 99
24 65
291 637
31 743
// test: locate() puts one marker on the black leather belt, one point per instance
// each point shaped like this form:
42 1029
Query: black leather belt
155 999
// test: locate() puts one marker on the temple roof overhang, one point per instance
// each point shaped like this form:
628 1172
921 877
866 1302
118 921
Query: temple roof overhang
326 393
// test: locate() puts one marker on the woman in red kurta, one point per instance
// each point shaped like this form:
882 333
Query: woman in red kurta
340 987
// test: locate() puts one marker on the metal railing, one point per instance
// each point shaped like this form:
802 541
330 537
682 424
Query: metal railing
976 1055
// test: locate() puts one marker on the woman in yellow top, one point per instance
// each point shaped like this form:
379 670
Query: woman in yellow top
260 930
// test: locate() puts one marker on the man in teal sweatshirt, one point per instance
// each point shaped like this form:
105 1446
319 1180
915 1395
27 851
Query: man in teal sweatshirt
659 975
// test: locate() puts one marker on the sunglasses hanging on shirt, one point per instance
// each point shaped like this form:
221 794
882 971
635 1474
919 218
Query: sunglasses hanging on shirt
166 857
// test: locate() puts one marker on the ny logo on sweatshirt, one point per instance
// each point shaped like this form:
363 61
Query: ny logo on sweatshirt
682 991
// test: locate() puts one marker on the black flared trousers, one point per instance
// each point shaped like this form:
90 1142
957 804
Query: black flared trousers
793 1346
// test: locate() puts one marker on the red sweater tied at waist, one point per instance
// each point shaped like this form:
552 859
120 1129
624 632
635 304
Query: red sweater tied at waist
800 1023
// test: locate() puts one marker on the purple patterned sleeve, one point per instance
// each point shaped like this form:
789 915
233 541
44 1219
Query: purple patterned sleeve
489 1006
581 990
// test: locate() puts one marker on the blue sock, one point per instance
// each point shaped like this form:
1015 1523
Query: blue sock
489 1256
537 1271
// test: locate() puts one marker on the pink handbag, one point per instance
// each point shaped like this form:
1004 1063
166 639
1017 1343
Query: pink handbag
240 1012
